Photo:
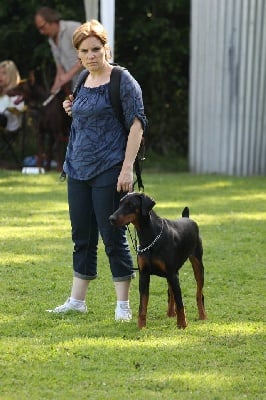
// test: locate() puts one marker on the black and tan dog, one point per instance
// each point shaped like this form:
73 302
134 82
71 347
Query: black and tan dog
164 246
51 122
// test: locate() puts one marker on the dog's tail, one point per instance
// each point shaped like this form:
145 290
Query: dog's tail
185 213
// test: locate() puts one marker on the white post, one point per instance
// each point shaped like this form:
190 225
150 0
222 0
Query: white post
91 9
108 21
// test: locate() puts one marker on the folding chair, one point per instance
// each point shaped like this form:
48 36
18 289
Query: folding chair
8 141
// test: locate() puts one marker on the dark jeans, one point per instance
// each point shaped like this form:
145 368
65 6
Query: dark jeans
90 205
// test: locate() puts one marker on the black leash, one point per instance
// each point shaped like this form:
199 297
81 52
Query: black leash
138 169
133 240
138 165
134 243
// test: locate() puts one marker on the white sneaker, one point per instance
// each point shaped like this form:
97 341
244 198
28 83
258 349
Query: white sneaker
68 306
123 313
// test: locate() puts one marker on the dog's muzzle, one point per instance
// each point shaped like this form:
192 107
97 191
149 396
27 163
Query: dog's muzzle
113 219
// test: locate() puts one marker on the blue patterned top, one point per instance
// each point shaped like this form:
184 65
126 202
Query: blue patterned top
97 139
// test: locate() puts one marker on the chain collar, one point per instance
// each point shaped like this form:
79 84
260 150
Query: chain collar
140 251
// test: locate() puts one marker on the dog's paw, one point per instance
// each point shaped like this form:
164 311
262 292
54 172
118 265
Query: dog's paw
141 322
171 313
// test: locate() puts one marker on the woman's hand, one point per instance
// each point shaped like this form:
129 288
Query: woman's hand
67 104
125 179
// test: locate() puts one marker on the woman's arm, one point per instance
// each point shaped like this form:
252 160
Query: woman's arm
126 176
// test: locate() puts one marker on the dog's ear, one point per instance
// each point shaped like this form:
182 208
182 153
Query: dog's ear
147 203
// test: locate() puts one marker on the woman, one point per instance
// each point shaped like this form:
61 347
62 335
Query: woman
99 165
10 112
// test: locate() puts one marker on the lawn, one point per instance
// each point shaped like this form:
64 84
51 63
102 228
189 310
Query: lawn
60 357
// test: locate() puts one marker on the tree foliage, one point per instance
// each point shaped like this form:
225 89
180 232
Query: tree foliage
21 42
151 40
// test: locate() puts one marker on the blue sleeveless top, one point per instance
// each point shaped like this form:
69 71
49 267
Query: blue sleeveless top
97 139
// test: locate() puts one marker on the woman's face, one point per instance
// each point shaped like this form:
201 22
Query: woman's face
92 53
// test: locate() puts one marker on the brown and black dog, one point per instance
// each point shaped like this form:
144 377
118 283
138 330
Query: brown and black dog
164 246
51 122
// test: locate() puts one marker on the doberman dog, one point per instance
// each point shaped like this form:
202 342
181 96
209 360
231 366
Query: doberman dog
164 246
52 123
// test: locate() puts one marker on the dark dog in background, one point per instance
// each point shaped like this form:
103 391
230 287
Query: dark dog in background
52 123
164 247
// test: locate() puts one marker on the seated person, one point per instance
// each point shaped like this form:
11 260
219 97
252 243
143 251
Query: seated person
10 112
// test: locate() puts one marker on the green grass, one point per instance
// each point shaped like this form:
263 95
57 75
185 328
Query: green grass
44 356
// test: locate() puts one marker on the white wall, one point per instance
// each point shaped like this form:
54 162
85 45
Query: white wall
228 87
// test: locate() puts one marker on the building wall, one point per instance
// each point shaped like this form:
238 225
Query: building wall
227 122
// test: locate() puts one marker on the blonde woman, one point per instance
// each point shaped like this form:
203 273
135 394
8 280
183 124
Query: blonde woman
10 112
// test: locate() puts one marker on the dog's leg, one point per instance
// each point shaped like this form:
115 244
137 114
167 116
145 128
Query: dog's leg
171 312
173 281
144 284
198 269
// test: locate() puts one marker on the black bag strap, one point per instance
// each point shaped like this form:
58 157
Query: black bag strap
115 100
114 93
81 79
